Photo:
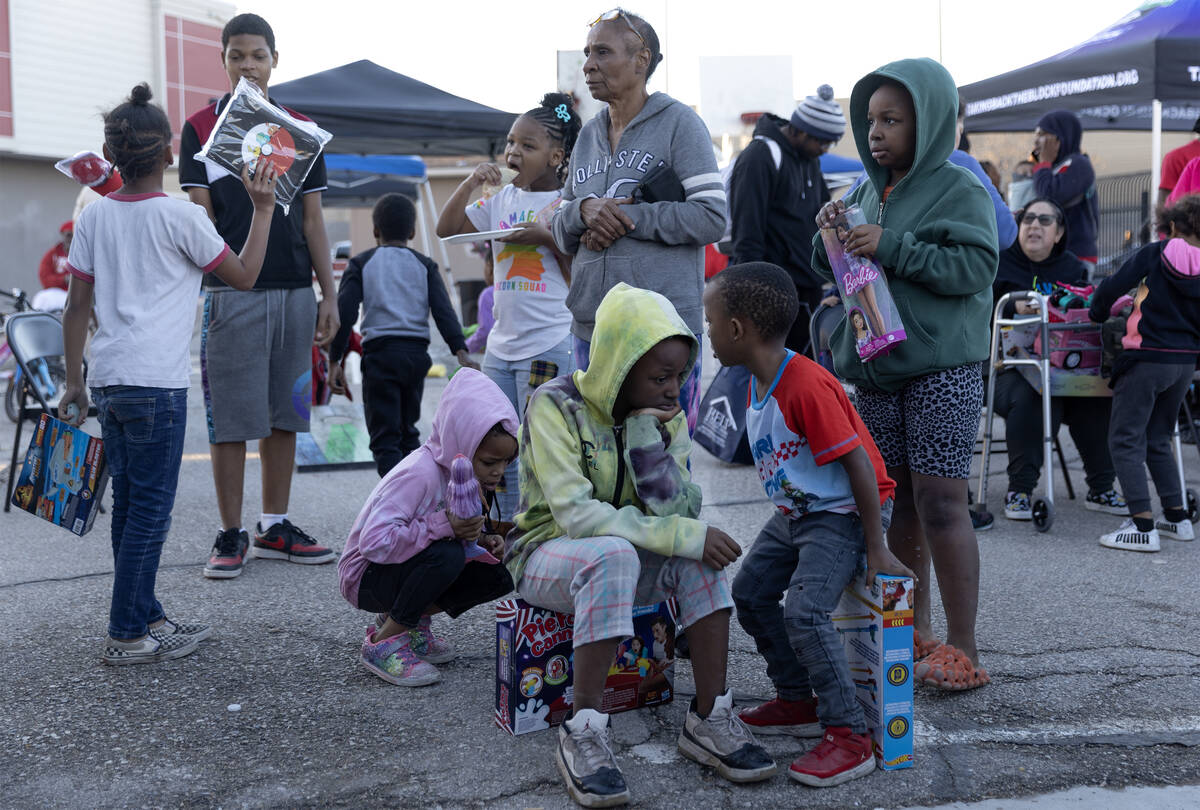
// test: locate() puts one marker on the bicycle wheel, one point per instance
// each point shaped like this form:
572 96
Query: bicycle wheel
12 408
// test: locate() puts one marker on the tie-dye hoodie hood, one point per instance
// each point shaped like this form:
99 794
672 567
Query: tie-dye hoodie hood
581 475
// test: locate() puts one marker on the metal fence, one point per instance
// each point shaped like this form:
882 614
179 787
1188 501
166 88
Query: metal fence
1125 208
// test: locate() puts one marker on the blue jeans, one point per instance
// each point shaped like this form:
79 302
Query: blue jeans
518 379
143 431
813 559
689 393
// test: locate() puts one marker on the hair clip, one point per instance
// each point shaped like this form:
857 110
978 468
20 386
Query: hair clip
562 112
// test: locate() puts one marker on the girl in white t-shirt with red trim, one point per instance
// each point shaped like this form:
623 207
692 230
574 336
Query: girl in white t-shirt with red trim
531 341
139 256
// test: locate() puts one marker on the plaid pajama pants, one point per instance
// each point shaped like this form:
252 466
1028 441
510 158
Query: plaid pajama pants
600 579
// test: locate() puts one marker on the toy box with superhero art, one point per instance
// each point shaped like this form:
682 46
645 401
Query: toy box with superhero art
534 656
63 477
876 624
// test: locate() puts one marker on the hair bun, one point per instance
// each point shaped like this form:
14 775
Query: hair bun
140 94
552 100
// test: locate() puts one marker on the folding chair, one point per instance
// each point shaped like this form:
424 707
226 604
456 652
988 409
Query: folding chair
820 330
33 336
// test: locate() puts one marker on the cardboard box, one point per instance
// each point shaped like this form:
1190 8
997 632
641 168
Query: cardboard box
534 653
63 477
877 629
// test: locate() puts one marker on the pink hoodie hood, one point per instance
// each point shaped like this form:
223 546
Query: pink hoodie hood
1183 258
470 406
406 510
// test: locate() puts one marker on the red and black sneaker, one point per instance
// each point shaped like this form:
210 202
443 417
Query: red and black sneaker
839 757
796 718
228 556
283 541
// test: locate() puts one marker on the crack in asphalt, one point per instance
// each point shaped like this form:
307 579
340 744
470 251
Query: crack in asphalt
92 574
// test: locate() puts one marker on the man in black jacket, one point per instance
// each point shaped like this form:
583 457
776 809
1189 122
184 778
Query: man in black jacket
775 192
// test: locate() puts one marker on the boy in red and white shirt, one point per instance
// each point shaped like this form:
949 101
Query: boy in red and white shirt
833 500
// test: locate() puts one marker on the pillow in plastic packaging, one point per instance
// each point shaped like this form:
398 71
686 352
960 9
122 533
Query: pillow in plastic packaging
251 129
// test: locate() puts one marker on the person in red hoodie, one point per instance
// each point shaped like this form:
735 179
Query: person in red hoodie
52 270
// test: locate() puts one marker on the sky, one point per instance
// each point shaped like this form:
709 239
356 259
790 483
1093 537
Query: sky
504 54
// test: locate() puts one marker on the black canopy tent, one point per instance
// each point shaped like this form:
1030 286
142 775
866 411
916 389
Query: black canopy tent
373 110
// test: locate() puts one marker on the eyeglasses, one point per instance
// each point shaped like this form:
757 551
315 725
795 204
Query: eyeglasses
1045 220
614 14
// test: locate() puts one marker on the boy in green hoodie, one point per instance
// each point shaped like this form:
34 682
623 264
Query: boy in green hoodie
933 230
608 520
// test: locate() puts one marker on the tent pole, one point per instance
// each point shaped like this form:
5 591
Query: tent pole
1155 162
425 192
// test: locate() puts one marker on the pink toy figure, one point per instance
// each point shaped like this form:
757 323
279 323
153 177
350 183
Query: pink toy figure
462 493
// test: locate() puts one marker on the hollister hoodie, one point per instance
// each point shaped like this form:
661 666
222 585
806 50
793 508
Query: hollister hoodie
938 247
665 250
583 476
406 511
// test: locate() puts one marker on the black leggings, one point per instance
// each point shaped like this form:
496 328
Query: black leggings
1087 417
438 575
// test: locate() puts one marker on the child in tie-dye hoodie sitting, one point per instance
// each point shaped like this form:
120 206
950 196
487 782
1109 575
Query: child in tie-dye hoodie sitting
609 520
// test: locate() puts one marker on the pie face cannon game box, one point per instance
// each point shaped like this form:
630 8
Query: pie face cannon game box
63 477
876 625
534 650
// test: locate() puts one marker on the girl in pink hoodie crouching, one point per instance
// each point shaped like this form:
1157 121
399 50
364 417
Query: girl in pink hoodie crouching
408 556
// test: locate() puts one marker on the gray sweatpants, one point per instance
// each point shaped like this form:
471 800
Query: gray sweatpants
1146 402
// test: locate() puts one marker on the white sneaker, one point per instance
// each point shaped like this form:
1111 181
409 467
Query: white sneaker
1130 539
1175 531
157 645
726 743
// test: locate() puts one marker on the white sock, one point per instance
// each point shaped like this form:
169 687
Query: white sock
267 521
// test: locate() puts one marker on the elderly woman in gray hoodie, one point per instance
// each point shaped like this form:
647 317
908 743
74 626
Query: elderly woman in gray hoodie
614 233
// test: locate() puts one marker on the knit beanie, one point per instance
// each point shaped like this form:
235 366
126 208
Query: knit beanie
820 116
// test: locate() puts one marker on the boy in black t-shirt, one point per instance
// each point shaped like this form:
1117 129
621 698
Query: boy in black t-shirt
256 346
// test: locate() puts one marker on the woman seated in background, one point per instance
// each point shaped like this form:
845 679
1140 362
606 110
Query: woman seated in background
1039 256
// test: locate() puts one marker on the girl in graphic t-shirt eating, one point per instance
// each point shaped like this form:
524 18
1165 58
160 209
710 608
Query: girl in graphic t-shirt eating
531 342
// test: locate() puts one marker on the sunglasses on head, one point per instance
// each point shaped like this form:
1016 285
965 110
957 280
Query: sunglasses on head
614 14
1045 220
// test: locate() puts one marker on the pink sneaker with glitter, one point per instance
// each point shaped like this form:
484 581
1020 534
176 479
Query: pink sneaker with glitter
428 646
393 660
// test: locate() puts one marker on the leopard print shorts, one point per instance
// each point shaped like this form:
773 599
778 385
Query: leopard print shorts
930 425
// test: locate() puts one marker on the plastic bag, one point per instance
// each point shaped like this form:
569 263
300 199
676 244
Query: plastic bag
91 170
870 310
721 425
251 128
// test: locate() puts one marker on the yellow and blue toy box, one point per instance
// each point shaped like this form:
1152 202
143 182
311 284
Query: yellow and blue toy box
63 477
876 625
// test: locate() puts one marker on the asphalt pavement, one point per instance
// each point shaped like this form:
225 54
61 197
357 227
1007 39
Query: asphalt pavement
1093 653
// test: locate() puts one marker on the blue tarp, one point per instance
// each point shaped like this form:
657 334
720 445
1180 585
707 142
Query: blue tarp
409 166
837 164
362 179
